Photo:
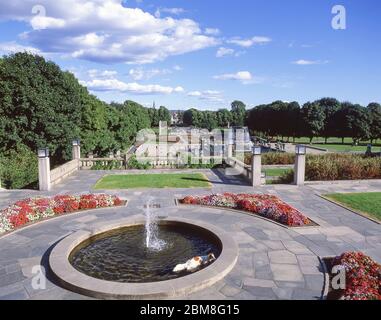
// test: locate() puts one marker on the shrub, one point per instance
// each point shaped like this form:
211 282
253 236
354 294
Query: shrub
19 168
273 158
333 167
133 163
342 167
286 178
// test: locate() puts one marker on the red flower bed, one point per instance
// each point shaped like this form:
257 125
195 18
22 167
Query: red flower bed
34 209
363 276
268 206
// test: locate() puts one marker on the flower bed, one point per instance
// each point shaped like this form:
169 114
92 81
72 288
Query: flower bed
34 209
267 206
363 277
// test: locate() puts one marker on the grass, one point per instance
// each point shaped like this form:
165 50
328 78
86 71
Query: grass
366 203
141 181
277 172
321 140
341 147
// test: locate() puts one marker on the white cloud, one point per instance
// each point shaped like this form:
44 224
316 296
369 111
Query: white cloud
194 94
303 62
95 73
142 74
135 88
247 43
208 95
146 74
13 47
244 76
172 11
212 31
130 35
42 22
223 52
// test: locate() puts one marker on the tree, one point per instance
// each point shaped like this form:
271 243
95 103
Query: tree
99 125
133 118
224 118
193 117
164 115
314 118
293 120
374 110
330 107
238 109
39 105
209 120
18 168
358 123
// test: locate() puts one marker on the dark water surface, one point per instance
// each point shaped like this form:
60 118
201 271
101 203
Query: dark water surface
122 256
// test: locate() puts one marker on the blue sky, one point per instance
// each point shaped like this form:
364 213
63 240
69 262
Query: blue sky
204 53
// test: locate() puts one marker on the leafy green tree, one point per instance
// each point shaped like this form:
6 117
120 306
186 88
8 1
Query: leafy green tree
358 123
193 117
330 107
293 122
133 117
314 118
99 126
209 120
39 104
18 168
164 115
238 109
157 115
224 118
374 110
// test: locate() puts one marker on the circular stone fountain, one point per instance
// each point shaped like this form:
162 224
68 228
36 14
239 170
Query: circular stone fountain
115 262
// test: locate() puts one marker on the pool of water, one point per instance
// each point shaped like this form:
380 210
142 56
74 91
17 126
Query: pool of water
122 256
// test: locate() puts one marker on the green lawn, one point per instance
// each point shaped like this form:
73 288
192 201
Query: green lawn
331 140
342 147
138 181
276 172
367 203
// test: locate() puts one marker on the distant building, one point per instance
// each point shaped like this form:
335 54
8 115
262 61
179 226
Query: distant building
176 117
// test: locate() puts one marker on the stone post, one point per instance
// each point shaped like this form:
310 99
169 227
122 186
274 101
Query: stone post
300 165
76 151
44 169
256 167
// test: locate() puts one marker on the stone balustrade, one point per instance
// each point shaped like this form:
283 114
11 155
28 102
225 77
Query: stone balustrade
60 173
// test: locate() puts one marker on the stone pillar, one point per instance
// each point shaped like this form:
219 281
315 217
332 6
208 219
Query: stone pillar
229 153
256 167
44 170
90 156
300 166
76 151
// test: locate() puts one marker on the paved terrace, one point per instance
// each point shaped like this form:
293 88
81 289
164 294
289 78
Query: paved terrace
274 262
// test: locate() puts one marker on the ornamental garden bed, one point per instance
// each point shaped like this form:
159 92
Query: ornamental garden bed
265 206
32 210
362 277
